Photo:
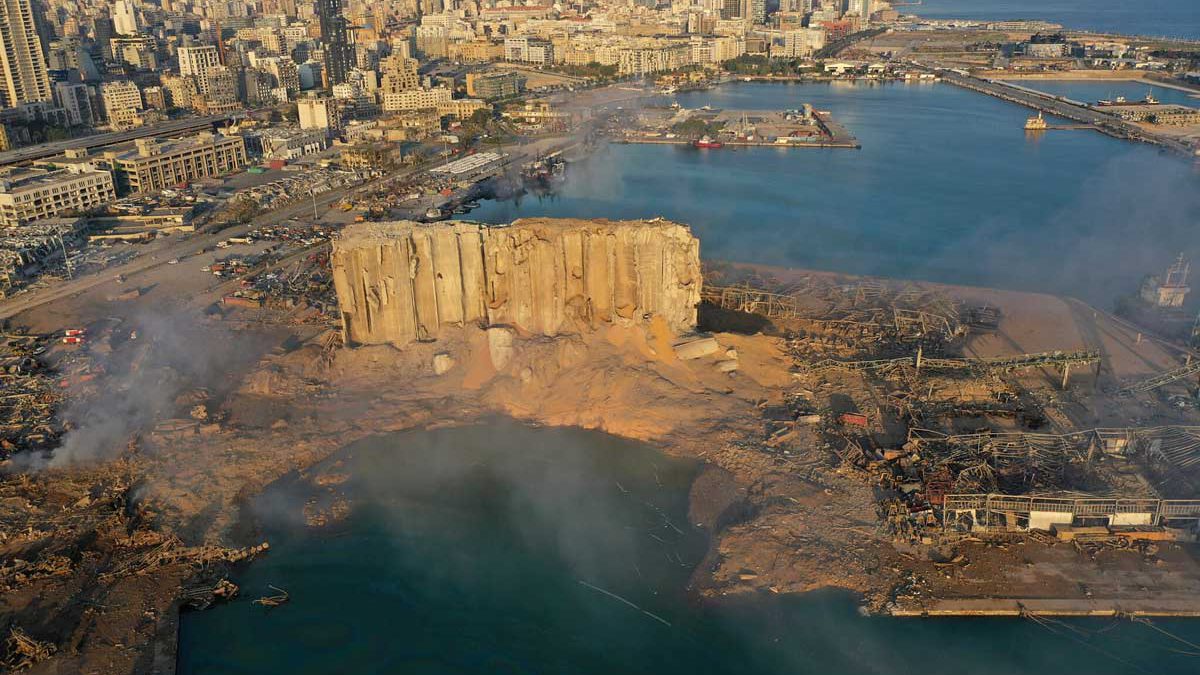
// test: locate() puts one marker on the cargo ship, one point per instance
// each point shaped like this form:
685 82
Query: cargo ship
707 142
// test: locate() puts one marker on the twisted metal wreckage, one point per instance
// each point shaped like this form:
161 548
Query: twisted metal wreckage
969 477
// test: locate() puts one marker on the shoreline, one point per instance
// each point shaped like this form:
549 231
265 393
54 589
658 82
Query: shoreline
663 411
848 145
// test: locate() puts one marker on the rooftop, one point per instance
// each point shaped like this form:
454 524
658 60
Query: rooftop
147 147
29 178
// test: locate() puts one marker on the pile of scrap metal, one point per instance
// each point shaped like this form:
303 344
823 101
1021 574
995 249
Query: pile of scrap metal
825 317
1171 456
171 551
22 652
296 234
306 286
203 596
907 521
29 396
1010 462
28 252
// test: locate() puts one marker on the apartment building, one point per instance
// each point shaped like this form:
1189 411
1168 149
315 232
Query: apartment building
526 49
23 76
122 101
416 99
495 85
319 113
196 61
76 99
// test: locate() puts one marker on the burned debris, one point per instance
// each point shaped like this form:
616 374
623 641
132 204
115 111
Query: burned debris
30 395
956 444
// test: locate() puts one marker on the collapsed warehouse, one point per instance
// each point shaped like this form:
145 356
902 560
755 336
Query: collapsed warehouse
954 444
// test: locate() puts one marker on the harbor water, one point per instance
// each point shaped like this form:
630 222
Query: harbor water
947 187
507 549
1092 91
1161 18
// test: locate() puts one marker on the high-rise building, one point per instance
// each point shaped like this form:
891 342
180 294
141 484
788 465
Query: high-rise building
339 54
125 18
862 8
122 101
399 73
76 99
758 11
197 60
23 76
319 113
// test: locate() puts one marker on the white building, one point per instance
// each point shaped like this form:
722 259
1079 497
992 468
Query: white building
122 101
416 99
525 49
197 60
125 18
319 113
801 43
29 194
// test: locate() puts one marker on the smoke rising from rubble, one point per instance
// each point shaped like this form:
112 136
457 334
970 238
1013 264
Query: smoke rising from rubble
147 361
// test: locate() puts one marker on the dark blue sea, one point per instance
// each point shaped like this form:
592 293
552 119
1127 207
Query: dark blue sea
1160 18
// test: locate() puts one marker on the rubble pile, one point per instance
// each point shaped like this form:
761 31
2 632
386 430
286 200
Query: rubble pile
30 395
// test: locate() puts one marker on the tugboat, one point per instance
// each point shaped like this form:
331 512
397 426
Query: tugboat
1036 123
707 142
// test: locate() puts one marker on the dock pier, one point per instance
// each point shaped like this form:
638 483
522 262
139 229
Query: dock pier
1060 107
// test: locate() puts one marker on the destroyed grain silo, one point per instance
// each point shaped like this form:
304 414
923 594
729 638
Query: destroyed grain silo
402 281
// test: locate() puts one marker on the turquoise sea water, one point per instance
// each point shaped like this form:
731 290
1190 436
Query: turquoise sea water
468 551
947 187
1165 18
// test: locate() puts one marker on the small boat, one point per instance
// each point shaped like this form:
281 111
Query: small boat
1036 123
707 142
1150 100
